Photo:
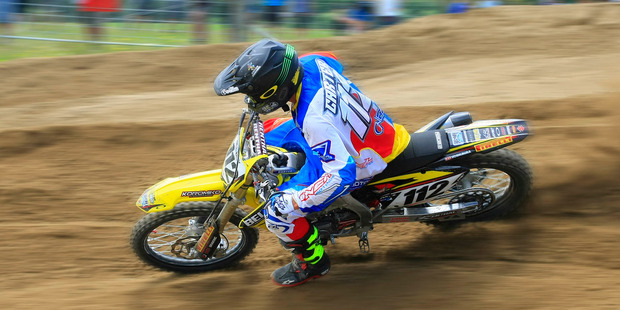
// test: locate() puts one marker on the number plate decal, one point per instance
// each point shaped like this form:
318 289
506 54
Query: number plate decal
424 192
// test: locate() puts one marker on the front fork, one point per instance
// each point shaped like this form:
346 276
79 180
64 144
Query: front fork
214 227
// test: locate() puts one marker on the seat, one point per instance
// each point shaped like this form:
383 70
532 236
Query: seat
423 149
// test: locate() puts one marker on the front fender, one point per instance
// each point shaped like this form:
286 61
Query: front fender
201 186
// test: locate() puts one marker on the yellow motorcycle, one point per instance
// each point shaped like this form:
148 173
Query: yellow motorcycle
454 171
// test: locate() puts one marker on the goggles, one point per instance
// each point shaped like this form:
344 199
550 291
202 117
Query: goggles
262 107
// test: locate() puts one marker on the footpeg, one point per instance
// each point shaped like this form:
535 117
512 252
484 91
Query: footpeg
364 244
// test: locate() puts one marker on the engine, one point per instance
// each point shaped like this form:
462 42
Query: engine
340 222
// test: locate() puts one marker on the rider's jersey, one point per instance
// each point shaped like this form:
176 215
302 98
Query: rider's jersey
351 135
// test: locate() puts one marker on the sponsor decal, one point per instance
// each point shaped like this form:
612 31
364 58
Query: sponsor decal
438 215
295 78
196 194
451 157
285 170
457 138
253 68
328 81
231 161
270 92
485 133
438 138
503 131
323 151
470 136
367 161
379 118
229 90
386 200
254 219
477 134
202 243
493 143
498 132
315 188
259 139
270 107
275 227
521 128
360 183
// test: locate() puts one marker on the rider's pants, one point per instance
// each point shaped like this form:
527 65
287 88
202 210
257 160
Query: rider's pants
289 227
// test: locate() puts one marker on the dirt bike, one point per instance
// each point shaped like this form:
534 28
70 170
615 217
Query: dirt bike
454 171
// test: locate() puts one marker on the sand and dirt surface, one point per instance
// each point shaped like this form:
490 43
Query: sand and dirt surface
82 137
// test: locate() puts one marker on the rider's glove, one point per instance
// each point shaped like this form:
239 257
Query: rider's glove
280 204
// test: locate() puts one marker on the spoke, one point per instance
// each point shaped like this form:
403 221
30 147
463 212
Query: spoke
173 226
162 242
495 180
166 235
159 241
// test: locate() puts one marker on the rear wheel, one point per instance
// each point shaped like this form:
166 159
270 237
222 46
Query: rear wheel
504 172
166 239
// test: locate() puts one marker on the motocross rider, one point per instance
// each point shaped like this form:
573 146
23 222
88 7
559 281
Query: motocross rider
351 135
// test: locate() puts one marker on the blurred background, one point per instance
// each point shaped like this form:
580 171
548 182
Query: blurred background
43 28
81 137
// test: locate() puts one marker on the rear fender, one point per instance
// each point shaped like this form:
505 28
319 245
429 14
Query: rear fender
485 136
201 186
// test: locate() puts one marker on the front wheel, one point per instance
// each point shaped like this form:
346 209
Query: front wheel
504 172
166 239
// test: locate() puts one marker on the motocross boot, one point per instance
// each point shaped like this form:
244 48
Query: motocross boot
309 261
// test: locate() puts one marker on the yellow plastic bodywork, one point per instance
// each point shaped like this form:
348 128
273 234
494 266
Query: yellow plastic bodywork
201 186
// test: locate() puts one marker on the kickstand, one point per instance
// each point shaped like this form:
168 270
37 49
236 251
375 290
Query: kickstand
364 244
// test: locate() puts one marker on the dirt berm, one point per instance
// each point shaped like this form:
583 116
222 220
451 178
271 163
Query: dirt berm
82 137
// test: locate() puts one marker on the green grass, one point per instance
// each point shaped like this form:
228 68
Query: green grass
141 33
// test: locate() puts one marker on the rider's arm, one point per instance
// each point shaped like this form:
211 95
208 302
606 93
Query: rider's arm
338 165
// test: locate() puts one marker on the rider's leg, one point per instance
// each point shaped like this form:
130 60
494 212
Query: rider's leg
309 258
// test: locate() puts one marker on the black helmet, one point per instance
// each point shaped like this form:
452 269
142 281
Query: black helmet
268 72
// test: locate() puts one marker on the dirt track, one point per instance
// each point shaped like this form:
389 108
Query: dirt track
82 137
